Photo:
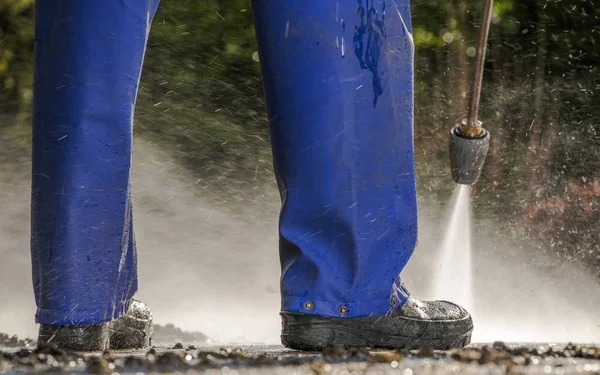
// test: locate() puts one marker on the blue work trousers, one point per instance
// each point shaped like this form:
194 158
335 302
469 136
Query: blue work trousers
338 82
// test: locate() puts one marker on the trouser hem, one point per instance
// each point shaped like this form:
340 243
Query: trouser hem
81 317
342 309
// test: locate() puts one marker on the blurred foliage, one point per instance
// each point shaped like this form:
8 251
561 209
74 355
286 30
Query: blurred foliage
16 52
201 91
202 51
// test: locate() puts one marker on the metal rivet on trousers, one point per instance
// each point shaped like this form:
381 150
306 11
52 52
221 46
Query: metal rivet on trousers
393 302
343 310
308 305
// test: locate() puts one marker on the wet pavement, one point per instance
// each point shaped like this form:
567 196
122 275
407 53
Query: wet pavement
496 358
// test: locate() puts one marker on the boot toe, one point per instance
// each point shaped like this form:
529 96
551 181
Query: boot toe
433 310
139 310
133 330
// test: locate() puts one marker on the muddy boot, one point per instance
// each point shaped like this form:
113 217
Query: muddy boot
131 331
437 324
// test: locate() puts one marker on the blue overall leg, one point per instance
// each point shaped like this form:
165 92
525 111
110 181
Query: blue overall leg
338 80
88 58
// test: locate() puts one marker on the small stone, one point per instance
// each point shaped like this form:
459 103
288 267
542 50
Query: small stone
98 365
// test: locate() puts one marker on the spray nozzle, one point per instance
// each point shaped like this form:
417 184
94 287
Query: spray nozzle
469 144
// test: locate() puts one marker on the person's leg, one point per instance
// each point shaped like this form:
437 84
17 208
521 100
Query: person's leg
338 80
88 58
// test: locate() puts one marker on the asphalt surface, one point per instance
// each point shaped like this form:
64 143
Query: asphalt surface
496 358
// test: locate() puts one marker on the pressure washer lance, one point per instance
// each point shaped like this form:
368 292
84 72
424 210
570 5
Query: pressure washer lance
469 141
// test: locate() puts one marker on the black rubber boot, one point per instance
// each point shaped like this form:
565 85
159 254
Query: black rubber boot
131 331
437 324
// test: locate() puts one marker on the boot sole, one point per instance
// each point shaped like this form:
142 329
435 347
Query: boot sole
316 336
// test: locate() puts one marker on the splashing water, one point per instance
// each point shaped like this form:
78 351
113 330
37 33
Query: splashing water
454 275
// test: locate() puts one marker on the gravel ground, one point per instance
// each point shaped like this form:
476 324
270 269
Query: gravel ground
497 358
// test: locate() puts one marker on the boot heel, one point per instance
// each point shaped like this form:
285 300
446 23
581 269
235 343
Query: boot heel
320 337
80 338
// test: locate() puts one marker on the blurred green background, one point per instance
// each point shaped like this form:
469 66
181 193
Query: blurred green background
201 95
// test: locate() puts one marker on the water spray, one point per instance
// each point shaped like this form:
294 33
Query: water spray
469 141
469 144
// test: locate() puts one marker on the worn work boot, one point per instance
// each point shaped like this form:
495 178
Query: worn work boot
434 324
131 331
